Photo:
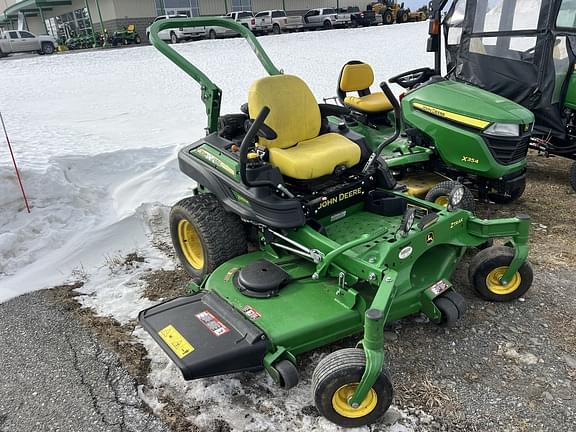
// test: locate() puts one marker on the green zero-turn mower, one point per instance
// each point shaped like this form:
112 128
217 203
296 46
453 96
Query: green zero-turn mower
297 237
451 132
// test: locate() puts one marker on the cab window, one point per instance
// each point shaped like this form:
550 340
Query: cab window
13 35
567 15
26 35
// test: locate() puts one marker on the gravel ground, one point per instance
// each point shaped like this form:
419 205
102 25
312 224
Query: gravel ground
58 376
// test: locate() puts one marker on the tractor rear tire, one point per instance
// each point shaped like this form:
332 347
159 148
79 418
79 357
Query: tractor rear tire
573 176
507 199
387 18
336 377
489 265
440 192
205 235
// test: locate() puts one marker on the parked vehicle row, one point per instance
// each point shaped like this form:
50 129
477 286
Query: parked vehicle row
278 21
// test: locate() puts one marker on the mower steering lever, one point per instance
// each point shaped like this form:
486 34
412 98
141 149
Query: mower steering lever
397 126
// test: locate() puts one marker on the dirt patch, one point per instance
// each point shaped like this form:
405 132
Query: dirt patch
551 203
166 284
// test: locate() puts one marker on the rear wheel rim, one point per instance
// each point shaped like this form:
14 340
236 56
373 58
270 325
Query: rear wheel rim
495 286
442 200
190 244
343 408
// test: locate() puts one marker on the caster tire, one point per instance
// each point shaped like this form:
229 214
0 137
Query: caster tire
205 235
448 309
335 379
439 195
288 374
458 300
489 265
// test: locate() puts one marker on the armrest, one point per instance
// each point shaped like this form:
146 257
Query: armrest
332 110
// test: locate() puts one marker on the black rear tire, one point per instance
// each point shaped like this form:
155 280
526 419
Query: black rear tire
220 235
137 40
327 25
276 29
572 173
212 34
387 18
488 264
440 192
345 368
173 38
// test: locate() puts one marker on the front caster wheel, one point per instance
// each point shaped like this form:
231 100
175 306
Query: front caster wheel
334 381
487 268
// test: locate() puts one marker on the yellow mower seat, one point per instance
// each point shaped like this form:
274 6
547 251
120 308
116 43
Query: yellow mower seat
358 77
298 150
130 28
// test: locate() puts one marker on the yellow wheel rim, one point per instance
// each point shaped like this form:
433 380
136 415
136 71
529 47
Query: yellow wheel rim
344 393
190 244
494 285
442 200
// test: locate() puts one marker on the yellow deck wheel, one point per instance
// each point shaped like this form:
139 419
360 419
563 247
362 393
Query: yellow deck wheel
344 393
190 244
493 281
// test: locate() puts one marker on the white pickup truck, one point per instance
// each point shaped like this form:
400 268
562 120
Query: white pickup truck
325 18
17 41
276 21
176 35
246 18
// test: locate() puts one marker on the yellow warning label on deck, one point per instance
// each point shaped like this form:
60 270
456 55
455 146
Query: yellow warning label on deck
176 341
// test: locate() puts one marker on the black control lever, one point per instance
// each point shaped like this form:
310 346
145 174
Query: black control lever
397 126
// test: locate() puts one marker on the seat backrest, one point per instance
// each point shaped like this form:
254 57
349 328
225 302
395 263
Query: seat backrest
294 112
130 28
356 76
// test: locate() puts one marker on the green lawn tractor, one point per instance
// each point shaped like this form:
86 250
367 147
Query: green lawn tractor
297 237
126 36
451 132
525 52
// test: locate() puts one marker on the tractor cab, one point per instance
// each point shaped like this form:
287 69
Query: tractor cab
524 51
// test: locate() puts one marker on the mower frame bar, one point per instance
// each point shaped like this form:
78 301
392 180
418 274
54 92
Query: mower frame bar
211 93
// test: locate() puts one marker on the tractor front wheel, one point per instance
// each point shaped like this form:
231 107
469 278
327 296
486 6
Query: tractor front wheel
487 268
205 235
573 176
439 195
334 381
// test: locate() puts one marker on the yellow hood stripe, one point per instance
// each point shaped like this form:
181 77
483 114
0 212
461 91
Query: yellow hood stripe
459 118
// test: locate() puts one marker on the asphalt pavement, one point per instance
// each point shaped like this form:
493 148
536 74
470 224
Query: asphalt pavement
56 376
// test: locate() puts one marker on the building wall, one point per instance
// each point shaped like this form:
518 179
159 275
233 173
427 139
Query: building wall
212 7
135 8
